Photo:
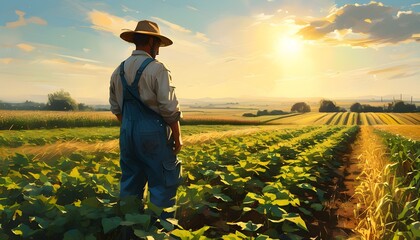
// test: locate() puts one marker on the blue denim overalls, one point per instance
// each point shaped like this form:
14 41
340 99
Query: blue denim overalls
146 151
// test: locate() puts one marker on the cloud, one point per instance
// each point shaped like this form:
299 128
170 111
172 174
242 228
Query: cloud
387 70
172 26
365 25
78 58
61 65
404 75
22 21
106 22
408 69
201 36
25 47
262 17
192 8
127 9
6 60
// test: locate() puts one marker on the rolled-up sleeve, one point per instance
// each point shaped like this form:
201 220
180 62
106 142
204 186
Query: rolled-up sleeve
115 108
167 102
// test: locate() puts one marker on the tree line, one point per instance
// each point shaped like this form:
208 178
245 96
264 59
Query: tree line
331 106
396 106
57 101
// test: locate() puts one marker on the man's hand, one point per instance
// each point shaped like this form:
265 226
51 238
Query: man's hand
119 117
178 145
176 134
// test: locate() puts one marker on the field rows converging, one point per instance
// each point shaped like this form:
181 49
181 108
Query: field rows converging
350 118
268 182
263 181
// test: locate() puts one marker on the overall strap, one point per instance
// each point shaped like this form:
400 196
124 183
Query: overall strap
140 71
132 90
123 80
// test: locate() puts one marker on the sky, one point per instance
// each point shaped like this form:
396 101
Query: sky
222 49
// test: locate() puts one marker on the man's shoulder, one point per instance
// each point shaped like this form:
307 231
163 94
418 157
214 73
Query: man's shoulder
159 66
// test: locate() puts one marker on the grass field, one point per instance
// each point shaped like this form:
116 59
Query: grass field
16 120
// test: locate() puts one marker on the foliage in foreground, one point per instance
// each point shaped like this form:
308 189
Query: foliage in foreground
268 185
390 195
400 205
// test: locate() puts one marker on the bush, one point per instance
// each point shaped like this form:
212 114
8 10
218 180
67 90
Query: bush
301 107
329 106
402 107
357 107
61 101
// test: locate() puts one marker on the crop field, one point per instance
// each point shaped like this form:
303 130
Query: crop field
252 184
349 118
25 120
277 180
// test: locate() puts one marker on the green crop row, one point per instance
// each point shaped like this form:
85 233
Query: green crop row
236 187
274 197
399 208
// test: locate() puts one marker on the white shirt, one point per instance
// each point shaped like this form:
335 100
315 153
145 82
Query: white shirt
155 87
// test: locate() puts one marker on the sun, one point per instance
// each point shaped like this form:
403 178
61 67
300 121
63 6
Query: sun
289 45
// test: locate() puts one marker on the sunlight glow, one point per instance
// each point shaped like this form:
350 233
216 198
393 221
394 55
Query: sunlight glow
289 45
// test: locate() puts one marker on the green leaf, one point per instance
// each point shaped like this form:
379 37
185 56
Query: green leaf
166 225
262 237
415 229
76 174
298 221
317 206
247 226
223 197
306 212
110 223
200 232
42 223
182 234
91 202
73 234
131 219
24 230
190 176
281 202
235 236
277 211
130 204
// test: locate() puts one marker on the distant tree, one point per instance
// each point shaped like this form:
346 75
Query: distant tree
369 108
84 107
402 107
356 107
265 112
329 106
301 107
61 101
249 115
276 112
262 112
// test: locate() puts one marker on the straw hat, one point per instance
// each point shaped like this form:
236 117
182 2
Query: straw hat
148 28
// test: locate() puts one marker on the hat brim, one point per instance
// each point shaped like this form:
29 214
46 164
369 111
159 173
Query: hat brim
129 37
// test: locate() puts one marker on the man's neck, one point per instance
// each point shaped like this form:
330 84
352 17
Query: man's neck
144 48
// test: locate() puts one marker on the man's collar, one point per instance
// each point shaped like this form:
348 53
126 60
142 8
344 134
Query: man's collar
140 52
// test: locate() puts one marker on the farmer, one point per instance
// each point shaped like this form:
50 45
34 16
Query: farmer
143 99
